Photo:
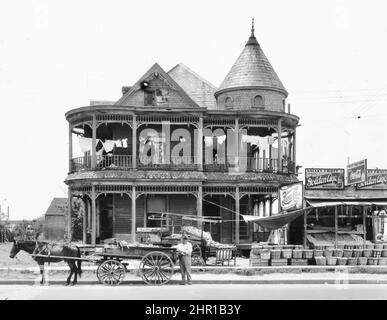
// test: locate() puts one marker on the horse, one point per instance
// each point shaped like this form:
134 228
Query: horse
54 249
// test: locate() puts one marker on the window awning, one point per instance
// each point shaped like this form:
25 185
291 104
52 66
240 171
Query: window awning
318 203
277 221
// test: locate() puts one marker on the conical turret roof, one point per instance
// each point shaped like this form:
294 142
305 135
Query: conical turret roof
252 69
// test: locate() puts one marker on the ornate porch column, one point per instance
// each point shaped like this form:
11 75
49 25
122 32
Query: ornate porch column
199 205
94 143
93 216
70 147
134 142
69 214
237 148
237 210
294 150
200 145
133 212
279 165
84 224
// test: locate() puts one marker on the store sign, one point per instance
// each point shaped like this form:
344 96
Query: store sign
290 197
357 172
376 179
321 178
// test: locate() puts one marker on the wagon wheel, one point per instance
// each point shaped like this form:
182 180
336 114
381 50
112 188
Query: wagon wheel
196 257
111 272
156 268
196 250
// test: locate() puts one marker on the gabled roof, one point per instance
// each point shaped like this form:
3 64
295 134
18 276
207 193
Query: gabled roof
252 69
125 99
58 207
198 88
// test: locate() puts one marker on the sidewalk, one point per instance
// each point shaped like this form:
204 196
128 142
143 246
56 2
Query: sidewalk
216 275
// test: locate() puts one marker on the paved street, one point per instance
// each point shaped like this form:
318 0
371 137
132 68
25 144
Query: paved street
216 292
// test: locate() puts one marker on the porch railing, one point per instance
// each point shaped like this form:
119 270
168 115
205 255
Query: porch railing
115 161
175 163
125 162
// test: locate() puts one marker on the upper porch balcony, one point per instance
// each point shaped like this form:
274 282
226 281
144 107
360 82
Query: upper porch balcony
207 141
188 163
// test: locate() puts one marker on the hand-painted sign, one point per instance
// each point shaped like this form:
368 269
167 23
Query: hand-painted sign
357 172
322 178
376 179
290 197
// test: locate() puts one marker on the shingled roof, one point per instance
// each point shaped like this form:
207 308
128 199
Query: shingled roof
198 88
252 69
58 207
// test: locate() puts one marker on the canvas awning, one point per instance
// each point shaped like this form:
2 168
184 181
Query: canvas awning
319 203
277 221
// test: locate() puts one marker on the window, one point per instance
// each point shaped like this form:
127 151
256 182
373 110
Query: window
258 102
228 103
148 98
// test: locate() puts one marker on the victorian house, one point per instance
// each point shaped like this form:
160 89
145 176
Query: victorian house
174 142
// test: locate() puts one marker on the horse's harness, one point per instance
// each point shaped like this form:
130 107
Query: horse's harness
47 246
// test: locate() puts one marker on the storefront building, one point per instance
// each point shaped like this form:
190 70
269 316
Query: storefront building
175 143
342 214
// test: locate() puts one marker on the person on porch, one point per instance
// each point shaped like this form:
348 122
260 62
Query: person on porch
184 251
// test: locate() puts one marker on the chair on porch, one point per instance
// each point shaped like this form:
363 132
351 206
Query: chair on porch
223 255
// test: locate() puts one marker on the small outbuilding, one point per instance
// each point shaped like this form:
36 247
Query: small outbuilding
55 219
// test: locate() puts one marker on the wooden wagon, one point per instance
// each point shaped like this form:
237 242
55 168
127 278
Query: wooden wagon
156 265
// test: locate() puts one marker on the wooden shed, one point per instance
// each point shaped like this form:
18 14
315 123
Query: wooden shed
55 219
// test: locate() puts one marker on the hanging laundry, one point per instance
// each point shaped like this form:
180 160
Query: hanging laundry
270 140
108 145
86 144
124 143
221 139
208 141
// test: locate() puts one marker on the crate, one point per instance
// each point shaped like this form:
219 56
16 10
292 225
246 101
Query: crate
347 253
331 261
362 261
321 261
357 253
307 254
379 246
348 246
328 253
298 262
367 253
384 253
385 246
264 254
382 261
297 254
317 253
287 253
352 261
341 261
275 254
376 253
259 262
370 246
338 253
278 262
372 261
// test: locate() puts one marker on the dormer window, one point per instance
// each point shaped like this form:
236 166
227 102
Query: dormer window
258 102
228 103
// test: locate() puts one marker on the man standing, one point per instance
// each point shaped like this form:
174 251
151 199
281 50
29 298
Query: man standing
184 251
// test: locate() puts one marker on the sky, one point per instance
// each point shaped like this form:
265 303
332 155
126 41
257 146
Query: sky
59 55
